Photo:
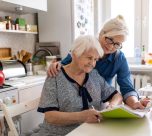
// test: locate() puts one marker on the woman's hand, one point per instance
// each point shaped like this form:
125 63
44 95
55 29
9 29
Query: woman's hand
134 103
54 69
90 116
141 104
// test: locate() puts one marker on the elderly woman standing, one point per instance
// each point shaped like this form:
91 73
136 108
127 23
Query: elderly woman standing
113 63
67 98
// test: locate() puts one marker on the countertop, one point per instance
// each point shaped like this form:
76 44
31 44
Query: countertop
144 68
23 82
116 127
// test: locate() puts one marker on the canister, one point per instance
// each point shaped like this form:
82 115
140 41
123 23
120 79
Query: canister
50 60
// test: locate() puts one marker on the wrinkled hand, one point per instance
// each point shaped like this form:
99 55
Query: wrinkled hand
145 101
54 69
90 116
141 104
110 106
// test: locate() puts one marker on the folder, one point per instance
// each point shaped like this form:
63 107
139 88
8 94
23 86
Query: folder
123 111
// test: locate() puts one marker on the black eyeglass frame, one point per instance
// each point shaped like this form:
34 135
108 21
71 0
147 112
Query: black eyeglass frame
117 45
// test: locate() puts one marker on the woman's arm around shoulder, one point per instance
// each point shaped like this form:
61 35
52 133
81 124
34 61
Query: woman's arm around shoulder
55 67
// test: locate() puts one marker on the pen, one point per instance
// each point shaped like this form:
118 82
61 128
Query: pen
96 115
93 107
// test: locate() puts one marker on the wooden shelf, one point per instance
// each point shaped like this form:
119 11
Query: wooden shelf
17 31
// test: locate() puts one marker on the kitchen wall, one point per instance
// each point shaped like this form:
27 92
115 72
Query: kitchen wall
18 41
58 24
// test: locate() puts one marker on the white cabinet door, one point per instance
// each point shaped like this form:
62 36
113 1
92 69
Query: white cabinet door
32 119
35 4
9 94
30 93
12 1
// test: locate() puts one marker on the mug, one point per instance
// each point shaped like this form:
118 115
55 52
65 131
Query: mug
29 69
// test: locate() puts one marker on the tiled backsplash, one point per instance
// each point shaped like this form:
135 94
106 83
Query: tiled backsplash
19 41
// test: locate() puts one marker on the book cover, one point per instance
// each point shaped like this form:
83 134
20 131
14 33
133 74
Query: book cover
122 111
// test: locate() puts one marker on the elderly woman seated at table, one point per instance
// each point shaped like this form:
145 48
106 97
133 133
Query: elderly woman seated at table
67 99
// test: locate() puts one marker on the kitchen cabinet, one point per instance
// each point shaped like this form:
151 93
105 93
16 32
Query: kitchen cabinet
30 93
30 120
23 6
8 96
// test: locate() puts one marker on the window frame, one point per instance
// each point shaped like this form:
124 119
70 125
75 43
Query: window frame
141 26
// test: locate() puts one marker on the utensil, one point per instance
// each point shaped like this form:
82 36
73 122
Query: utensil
26 57
23 53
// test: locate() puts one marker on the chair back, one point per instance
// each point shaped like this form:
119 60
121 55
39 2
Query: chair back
15 110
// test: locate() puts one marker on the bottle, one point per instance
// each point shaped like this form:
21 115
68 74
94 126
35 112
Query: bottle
137 55
143 55
8 22
12 25
148 58
1 20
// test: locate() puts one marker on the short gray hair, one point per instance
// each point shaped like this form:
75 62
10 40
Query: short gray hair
115 26
84 43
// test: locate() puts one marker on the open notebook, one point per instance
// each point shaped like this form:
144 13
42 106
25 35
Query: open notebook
123 111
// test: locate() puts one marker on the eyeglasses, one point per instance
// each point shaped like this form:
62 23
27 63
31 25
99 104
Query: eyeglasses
115 44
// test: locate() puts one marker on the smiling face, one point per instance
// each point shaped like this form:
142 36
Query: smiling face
87 61
111 44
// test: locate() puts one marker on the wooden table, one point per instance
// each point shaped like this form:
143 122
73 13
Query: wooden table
116 127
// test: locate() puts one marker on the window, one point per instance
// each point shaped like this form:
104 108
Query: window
138 16
150 27
121 7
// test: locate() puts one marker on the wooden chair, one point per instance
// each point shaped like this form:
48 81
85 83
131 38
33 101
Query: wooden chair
15 110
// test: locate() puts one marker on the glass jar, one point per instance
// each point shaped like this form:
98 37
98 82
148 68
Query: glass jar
149 58
50 60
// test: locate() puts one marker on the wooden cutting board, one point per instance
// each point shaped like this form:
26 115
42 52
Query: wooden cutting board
5 52
5 58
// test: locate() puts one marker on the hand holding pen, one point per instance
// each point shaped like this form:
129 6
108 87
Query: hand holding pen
96 115
90 115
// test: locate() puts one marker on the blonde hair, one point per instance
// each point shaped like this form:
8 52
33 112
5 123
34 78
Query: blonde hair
115 26
84 43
